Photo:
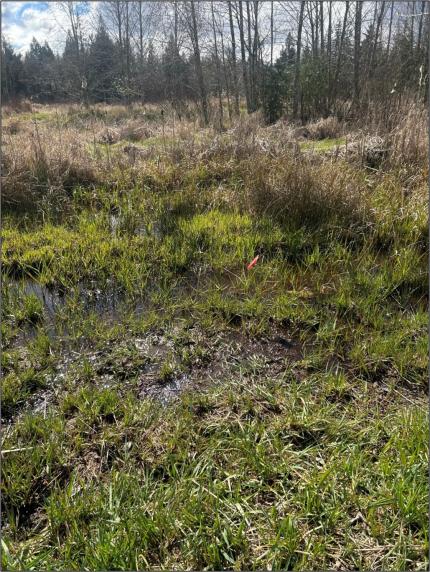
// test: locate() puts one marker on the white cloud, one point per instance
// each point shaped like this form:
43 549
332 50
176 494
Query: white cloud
46 22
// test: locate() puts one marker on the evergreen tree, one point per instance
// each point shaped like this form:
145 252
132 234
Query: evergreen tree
70 70
41 72
103 66
152 77
284 66
272 94
11 73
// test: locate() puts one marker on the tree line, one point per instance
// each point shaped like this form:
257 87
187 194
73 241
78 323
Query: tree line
303 58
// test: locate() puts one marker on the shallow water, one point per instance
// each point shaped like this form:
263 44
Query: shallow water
53 299
110 303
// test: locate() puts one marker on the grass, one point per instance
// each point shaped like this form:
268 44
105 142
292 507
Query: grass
167 408
265 478
324 144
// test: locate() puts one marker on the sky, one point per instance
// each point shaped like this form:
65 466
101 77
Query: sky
21 21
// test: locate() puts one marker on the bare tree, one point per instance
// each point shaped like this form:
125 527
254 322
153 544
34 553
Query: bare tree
234 62
198 63
357 50
297 65
376 39
72 10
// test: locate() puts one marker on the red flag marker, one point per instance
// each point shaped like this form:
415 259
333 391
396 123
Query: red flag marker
253 263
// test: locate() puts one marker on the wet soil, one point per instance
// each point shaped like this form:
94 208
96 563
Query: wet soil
161 365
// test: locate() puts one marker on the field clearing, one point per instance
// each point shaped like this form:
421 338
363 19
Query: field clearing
165 407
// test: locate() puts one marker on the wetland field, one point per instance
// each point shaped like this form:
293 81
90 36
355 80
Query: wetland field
166 404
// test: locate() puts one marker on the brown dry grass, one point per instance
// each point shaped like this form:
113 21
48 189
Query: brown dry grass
408 141
325 128
69 146
296 191
39 158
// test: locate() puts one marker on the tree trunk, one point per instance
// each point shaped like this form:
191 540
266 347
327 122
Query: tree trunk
127 53
420 26
390 27
297 65
375 44
317 28
226 76
242 49
120 39
234 62
329 54
198 64
339 55
250 59
311 22
322 26
140 33
255 58
357 51
175 26
271 33
218 69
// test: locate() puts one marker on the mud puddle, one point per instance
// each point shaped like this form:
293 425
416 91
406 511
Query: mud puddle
162 365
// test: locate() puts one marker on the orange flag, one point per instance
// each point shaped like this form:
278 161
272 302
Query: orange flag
253 263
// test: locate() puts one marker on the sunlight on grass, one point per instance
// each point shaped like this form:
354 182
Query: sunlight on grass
169 408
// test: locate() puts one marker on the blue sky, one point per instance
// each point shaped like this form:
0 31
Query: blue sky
21 21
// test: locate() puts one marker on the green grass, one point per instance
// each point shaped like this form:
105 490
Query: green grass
34 116
300 440
273 473
323 144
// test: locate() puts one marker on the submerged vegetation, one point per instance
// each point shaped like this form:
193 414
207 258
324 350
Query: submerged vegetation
165 407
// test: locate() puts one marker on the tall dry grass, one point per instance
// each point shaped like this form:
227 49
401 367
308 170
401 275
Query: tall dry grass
325 128
74 146
37 160
299 192
408 141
